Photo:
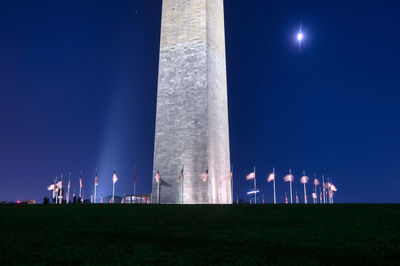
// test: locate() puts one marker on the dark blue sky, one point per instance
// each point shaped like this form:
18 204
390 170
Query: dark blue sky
78 84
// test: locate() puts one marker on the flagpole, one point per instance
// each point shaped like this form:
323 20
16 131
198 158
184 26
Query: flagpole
95 188
314 199
232 184
291 197
320 195
69 185
158 192
182 191
80 187
113 192
58 196
182 184
54 192
329 192
57 192
312 195
315 186
273 171
61 191
68 195
208 190
323 188
134 184
255 192
305 191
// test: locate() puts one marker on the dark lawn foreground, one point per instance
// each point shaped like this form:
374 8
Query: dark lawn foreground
200 234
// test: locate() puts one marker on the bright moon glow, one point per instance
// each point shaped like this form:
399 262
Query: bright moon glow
300 36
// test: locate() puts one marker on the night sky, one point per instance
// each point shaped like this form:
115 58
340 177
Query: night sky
78 84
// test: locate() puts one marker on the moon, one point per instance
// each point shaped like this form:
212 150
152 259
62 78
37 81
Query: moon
300 36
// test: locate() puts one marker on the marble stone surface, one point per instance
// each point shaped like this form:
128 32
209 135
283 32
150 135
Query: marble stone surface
192 131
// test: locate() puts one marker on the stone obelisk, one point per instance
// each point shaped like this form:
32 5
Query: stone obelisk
192 132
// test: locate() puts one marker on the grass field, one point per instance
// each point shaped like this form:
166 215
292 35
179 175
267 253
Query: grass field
165 234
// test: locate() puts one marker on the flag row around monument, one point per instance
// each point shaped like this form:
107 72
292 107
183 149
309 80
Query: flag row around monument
57 189
326 190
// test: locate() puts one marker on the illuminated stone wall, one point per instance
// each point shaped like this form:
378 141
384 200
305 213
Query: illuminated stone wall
192 113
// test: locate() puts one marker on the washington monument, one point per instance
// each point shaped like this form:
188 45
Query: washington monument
191 151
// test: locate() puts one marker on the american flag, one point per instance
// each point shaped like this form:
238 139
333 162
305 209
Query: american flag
205 176
96 183
114 178
180 176
288 178
69 183
316 182
304 179
314 195
157 177
271 177
230 175
59 184
51 187
251 176
80 181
